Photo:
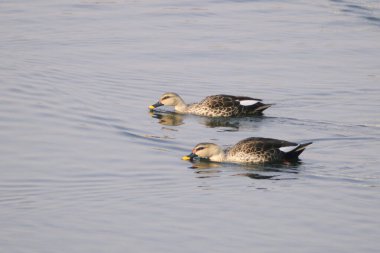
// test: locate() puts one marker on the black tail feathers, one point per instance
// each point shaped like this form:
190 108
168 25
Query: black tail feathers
258 108
295 153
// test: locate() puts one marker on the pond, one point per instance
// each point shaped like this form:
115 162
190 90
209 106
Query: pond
86 167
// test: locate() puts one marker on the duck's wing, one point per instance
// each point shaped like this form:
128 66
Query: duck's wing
240 98
222 100
247 105
267 149
255 144
263 143
216 102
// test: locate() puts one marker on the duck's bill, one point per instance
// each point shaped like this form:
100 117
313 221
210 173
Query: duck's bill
155 105
189 157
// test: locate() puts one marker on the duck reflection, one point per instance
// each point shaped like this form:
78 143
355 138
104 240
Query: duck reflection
168 118
206 169
231 124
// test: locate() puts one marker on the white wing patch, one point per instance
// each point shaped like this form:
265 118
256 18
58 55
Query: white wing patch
248 102
288 148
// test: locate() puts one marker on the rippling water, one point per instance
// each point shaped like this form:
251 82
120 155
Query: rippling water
86 168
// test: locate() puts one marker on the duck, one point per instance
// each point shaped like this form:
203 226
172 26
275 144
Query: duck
214 106
250 150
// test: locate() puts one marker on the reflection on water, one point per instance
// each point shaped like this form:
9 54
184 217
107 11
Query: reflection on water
204 164
231 124
207 173
206 169
362 9
167 118
257 176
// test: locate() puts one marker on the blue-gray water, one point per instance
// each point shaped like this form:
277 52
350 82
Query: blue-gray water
86 168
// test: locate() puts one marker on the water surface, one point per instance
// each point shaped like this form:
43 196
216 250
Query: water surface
85 167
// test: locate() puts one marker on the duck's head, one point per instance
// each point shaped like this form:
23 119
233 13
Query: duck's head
168 98
206 150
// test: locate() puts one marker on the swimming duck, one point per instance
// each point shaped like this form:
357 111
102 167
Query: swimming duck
214 106
250 150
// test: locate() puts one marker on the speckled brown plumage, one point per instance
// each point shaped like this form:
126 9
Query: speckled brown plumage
258 150
226 106
214 106
251 150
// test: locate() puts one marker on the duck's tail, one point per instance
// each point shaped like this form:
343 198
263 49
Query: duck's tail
293 152
258 108
263 107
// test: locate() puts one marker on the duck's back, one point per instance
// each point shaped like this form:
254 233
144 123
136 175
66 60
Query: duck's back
226 106
257 150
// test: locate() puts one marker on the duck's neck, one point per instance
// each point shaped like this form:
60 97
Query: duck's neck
181 106
220 156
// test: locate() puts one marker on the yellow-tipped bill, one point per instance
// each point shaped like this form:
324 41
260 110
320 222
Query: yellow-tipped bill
189 157
186 158
155 105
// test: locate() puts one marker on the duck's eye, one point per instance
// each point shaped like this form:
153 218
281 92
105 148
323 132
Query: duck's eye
200 148
166 97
